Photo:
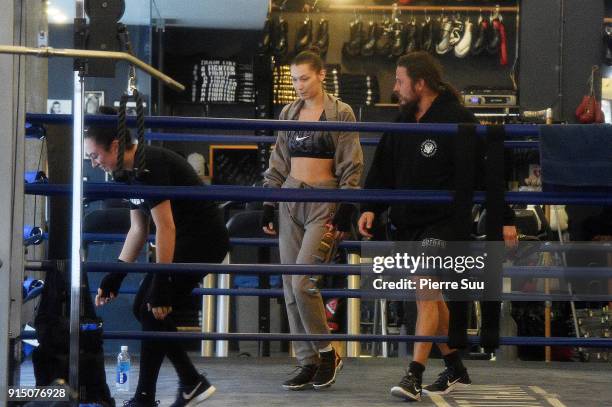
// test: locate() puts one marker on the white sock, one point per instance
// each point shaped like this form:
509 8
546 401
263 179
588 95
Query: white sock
328 348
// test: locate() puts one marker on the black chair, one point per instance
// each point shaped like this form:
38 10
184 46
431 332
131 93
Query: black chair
111 220
115 220
246 224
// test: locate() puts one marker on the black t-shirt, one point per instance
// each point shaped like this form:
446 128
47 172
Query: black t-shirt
167 168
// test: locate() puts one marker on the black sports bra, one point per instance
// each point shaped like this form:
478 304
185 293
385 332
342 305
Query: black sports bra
310 143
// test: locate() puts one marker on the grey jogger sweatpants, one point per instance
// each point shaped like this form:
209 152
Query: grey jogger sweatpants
301 227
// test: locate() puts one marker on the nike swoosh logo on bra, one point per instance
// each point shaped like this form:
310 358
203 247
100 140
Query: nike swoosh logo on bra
301 138
190 395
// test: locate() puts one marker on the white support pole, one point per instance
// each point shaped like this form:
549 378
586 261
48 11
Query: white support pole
77 216
76 219
383 327
208 316
353 314
223 304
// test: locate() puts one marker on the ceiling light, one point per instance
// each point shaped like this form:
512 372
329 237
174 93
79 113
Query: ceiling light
60 19
55 16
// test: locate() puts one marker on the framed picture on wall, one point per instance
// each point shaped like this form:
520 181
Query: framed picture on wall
93 100
130 107
59 106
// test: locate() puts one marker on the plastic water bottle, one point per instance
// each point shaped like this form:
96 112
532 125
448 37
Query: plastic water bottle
122 381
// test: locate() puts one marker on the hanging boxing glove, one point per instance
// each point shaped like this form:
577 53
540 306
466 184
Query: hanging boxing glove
369 46
436 32
418 36
352 48
589 109
264 44
427 36
607 36
303 38
592 112
456 33
481 38
322 41
385 41
443 46
399 40
582 106
503 51
358 38
280 45
494 39
462 49
588 113
411 37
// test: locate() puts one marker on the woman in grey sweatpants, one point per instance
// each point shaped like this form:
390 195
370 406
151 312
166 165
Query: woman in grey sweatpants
311 159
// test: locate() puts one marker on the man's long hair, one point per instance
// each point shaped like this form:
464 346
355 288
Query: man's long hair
422 65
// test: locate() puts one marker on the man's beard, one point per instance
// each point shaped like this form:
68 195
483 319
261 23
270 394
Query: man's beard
408 107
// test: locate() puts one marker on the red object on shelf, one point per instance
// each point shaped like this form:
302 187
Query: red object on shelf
503 47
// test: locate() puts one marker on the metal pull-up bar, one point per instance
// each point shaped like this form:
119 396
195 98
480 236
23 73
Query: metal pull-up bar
48 52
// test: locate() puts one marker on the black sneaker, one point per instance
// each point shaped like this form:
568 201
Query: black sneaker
409 388
331 364
302 380
188 396
447 381
134 402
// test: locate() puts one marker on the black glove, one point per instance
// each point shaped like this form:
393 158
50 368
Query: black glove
111 283
343 218
160 294
267 216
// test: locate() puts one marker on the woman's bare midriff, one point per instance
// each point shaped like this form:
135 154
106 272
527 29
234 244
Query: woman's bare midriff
312 170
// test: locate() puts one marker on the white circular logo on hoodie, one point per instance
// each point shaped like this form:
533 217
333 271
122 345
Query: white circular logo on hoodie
428 148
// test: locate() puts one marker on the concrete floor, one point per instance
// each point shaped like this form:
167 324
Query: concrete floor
366 382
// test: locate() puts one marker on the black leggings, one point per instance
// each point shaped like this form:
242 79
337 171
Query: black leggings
152 352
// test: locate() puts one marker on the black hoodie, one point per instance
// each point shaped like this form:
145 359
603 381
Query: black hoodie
425 162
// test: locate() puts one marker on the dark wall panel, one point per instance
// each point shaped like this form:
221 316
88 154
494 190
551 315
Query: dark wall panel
539 54
583 48
541 42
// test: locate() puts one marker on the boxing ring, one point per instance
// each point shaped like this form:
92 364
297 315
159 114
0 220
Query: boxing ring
238 193
258 384
79 189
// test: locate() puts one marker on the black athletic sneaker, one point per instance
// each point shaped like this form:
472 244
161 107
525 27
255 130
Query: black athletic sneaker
447 381
409 388
134 402
331 364
302 380
188 396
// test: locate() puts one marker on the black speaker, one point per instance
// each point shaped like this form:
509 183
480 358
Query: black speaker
98 35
